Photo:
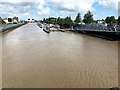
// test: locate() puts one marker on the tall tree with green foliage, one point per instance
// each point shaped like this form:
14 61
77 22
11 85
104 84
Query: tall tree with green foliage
50 20
1 20
88 18
68 22
44 20
107 20
112 18
118 21
78 19
60 21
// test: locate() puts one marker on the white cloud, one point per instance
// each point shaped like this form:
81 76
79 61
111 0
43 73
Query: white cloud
43 11
23 8
111 4
12 1
43 8
73 5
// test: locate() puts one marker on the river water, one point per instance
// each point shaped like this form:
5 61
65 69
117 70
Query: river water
32 58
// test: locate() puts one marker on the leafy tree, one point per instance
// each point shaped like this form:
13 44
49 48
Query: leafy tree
60 21
41 21
88 18
50 20
44 20
107 20
63 22
68 22
112 18
1 20
118 20
78 18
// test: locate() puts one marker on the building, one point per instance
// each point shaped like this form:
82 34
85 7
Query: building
100 21
6 20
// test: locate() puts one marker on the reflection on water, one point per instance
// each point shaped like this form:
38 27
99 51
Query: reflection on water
34 59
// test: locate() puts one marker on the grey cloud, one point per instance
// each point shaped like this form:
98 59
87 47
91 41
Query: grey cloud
58 6
19 7
20 3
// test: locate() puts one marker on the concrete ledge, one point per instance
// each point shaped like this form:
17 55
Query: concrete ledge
11 26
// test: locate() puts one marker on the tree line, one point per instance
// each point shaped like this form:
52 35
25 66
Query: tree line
68 22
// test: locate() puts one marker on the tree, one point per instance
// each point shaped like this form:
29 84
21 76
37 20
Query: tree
88 18
118 21
1 20
107 20
15 18
44 20
68 22
60 21
78 19
41 21
112 19
50 20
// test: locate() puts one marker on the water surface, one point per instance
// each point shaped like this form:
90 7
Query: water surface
35 59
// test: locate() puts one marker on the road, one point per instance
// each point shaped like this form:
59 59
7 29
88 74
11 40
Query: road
32 58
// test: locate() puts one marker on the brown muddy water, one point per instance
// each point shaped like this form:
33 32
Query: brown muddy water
32 58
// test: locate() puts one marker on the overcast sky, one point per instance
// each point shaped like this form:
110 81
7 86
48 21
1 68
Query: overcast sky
38 9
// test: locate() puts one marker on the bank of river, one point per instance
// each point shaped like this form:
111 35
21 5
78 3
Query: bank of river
10 26
35 59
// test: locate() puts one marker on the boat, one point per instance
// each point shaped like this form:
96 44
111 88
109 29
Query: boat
62 30
110 35
47 31
98 31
